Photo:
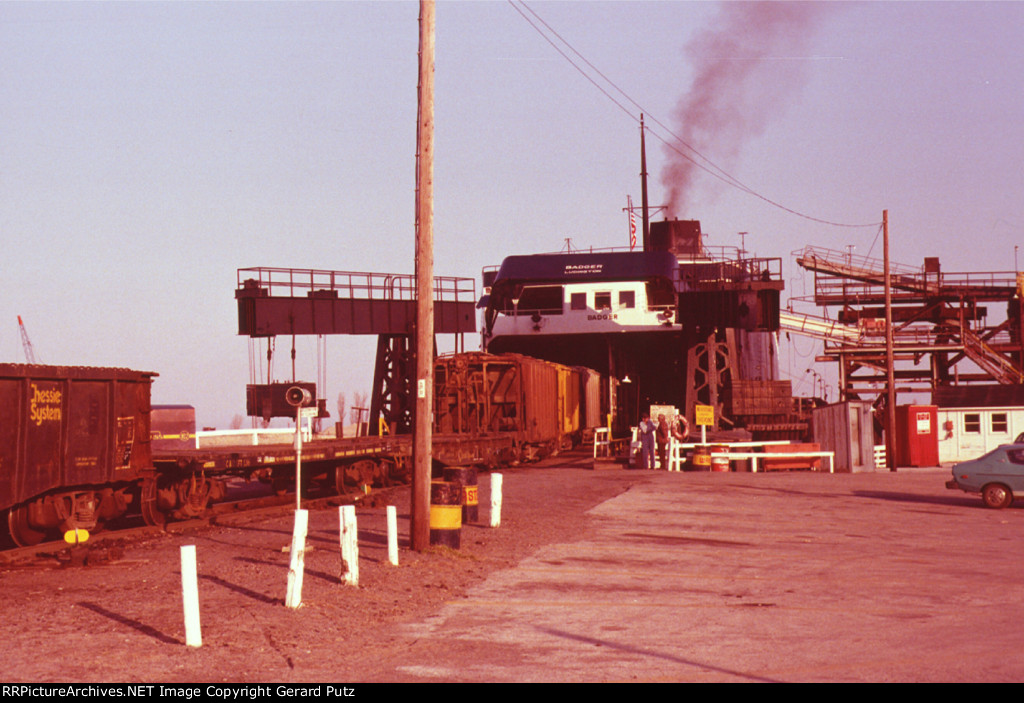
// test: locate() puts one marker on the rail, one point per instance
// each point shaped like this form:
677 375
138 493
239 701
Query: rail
991 361
847 278
699 273
754 456
879 452
992 285
677 450
606 447
839 263
288 282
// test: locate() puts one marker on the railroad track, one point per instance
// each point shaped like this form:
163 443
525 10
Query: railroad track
108 545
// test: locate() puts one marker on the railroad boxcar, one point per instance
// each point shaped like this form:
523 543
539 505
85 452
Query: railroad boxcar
542 403
590 399
74 445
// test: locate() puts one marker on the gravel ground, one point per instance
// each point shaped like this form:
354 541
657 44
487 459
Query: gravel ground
122 621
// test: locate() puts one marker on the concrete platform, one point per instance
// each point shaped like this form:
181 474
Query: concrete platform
750 577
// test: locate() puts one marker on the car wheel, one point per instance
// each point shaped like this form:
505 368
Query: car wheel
996 495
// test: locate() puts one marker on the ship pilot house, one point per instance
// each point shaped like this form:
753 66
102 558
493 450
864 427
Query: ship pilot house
677 324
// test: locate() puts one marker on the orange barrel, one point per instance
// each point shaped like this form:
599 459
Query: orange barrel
719 463
466 477
700 458
446 514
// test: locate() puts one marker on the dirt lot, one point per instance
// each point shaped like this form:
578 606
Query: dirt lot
123 621
618 575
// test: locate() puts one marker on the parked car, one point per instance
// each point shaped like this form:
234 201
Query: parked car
996 475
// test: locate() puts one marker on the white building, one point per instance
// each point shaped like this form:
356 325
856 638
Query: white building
974 420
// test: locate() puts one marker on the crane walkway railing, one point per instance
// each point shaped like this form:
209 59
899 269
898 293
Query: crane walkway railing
288 282
907 279
991 361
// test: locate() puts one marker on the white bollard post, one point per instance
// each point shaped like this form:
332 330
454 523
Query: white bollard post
190 596
293 599
392 535
349 545
495 500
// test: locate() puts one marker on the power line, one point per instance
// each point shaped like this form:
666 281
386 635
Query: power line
711 169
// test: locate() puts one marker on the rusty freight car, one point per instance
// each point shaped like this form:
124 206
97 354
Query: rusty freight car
74 444
545 406
78 445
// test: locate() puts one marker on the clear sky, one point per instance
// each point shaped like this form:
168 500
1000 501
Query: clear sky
149 150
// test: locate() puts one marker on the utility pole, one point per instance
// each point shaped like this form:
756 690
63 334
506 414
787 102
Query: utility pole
422 430
890 372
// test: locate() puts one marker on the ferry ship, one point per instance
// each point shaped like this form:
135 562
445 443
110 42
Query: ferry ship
677 323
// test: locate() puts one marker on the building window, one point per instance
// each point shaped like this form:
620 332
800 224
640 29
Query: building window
578 301
603 301
972 423
627 299
999 423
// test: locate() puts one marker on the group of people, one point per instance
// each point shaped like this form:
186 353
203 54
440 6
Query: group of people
658 434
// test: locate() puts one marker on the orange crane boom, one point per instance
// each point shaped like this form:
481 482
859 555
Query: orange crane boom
26 343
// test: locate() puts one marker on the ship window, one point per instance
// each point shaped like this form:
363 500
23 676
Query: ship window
999 423
543 299
659 296
972 423
627 299
603 301
578 301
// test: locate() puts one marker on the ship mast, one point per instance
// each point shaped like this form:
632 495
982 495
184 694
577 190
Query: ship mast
643 185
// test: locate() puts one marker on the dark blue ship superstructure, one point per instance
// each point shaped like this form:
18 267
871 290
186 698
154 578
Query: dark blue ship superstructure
677 324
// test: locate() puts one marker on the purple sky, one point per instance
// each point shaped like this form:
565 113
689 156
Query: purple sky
149 150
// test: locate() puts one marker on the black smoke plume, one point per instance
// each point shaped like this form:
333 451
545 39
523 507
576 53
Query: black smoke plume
749 63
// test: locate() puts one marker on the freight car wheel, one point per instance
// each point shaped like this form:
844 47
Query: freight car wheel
281 485
397 470
23 534
150 505
180 497
351 478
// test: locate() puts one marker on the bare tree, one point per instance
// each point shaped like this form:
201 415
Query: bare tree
359 407
236 422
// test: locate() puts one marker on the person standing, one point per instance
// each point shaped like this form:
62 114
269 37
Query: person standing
663 435
647 430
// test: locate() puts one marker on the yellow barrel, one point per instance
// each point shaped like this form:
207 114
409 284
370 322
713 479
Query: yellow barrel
446 514
700 458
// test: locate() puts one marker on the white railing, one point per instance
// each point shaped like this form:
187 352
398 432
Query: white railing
251 437
880 462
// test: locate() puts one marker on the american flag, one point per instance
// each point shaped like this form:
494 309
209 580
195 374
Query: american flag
632 222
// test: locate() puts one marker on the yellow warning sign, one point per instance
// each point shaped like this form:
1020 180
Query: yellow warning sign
704 415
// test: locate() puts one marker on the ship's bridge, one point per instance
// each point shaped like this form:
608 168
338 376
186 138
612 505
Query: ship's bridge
582 294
